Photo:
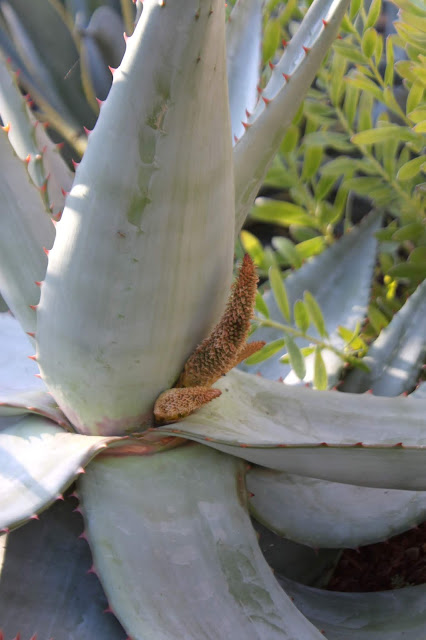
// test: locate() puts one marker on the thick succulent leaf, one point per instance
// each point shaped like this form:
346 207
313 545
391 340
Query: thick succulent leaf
384 615
340 280
25 229
329 514
420 392
47 46
256 149
45 587
145 244
60 176
349 438
397 355
180 559
38 461
296 561
17 370
15 115
243 50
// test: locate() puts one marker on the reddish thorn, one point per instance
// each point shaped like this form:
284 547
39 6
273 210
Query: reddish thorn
60 497
6 128
9 60
246 125
75 164
33 307
369 391
271 65
399 445
77 510
266 100
43 187
32 358
17 73
339 37
57 216
306 50
30 333
286 77
74 494
248 466
37 375
5 530
248 114
125 36
92 570
60 145
34 637
250 494
46 251
45 125
325 23
108 610
34 517
64 193
80 470
404 394
284 43
55 222
28 159
235 140
323 444
259 89
112 70
100 102
358 444
83 536
87 131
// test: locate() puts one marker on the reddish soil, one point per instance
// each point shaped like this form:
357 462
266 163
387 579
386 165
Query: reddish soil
396 563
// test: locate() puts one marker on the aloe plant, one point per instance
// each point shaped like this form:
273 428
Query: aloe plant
114 299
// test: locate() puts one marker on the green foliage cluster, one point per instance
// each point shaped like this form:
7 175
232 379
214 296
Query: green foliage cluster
357 142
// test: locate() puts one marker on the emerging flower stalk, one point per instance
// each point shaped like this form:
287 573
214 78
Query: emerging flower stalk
222 350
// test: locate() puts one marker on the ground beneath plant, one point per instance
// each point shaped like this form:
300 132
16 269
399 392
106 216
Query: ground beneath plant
398 562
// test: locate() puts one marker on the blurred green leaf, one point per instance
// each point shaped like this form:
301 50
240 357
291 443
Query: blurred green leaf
320 372
297 361
288 251
260 305
266 352
282 213
253 247
315 313
280 292
311 247
373 13
301 316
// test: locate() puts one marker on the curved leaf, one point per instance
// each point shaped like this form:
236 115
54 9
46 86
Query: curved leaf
256 149
181 558
396 356
329 514
25 229
38 461
351 438
384 615
17 370
161 231
243 51
340 280
45 584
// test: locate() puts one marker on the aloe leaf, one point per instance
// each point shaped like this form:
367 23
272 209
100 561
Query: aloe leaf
15 115
420 392
49 51
17 371
329 514
384 615
281 98
38 461
25 229
296 561
243 49
45 584
182 558
396 356
60 177
340 280
351 438
161 231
